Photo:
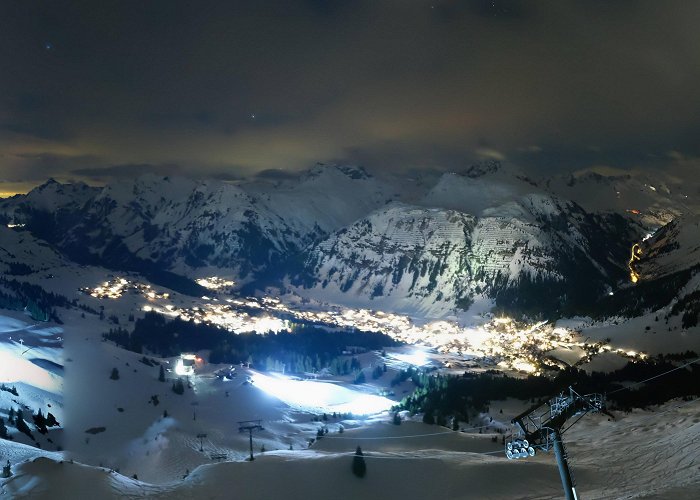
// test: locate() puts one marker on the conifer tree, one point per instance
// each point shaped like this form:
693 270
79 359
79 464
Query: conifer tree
40 422
22 426
178 386
359 467
51 420
3 430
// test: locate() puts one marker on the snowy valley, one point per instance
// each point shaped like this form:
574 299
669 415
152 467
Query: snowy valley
484 272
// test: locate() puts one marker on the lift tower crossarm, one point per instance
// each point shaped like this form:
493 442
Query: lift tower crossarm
541 428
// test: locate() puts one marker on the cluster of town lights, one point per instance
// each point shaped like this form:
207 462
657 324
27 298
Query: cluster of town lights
215 283
117 287
499 341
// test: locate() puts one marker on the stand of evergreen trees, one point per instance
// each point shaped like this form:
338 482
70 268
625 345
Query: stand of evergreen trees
440 396
17 295
306 348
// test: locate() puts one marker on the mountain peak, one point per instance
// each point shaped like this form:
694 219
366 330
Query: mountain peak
354 172
481 168
49 183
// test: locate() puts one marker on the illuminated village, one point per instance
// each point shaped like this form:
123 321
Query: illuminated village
499 342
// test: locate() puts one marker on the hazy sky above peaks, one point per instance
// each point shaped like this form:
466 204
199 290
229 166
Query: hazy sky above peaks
102 90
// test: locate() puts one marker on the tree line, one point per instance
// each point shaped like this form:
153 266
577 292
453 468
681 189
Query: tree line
304 348
439 396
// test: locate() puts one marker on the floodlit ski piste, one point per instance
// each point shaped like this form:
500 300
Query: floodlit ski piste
31 381
321 397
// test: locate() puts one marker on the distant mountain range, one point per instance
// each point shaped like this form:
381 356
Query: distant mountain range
337 233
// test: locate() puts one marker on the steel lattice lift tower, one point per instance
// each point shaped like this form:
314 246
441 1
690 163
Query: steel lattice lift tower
249 426
540 428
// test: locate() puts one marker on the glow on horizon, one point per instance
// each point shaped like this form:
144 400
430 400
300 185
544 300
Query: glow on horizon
320 396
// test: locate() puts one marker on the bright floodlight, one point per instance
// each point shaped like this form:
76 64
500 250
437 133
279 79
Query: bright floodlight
415 358
321 396
185 365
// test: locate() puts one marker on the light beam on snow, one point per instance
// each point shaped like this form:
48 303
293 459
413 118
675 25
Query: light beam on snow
415 358
320 396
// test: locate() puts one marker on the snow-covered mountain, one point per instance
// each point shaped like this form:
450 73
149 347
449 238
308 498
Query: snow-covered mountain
175 223
484 232
674 248
408 253
479 187
53 196
181 224
653 200
434 260
324 199
669 268
23 253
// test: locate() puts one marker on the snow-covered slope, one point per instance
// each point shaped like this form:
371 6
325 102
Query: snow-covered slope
23 253
324 199
175 223
181 224
488 231
675 247
657 449
414 255
654 200
31 374
669 269
51 196
479 187
434 260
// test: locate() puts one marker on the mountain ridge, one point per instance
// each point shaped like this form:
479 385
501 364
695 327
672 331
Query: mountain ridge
485 233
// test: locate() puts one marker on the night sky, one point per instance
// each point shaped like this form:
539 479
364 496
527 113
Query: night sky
97 90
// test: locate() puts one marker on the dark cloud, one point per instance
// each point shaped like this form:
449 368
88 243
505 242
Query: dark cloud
224 176
37 167
276 174
235 88
125 171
